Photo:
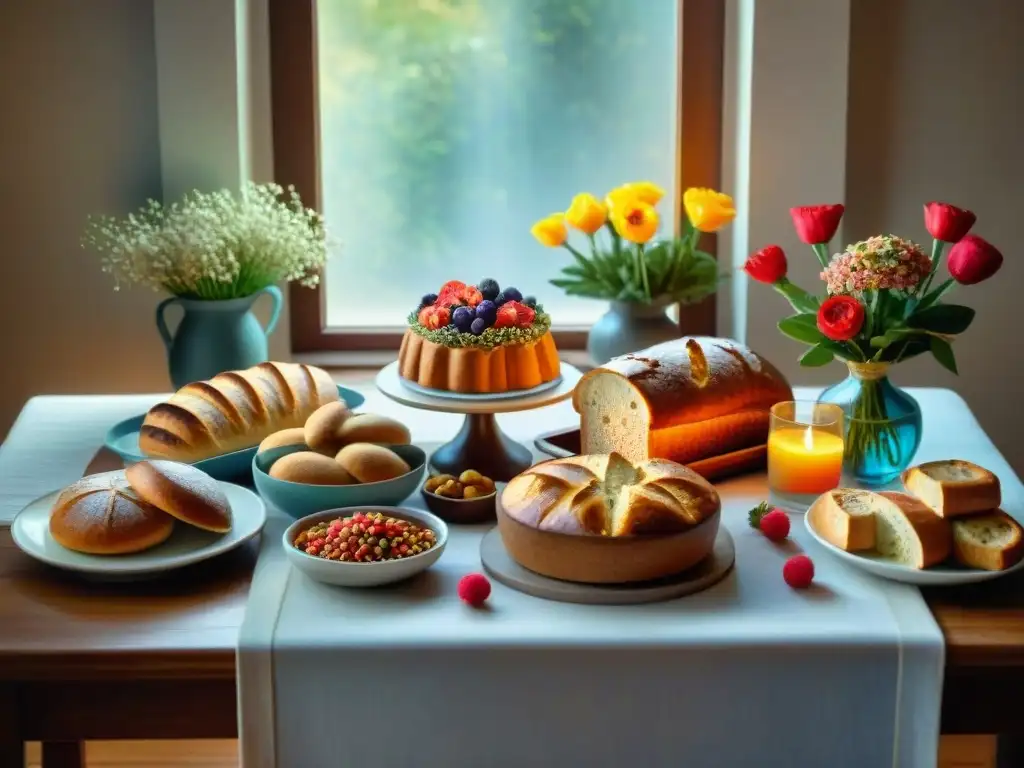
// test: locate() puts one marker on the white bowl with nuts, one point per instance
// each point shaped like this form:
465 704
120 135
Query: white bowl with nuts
465 498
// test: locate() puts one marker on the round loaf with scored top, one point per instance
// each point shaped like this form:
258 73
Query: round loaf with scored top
102 515
182 491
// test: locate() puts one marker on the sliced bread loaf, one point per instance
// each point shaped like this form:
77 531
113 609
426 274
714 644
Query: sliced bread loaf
908 531
845 517
953 487
992 541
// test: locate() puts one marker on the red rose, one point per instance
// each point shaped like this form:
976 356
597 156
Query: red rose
973 259
840 318
767 265
946 222
816 223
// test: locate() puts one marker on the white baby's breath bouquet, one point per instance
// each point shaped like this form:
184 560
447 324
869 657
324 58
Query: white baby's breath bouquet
214 245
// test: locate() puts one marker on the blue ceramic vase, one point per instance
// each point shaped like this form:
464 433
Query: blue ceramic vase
883 424
629 327
215 336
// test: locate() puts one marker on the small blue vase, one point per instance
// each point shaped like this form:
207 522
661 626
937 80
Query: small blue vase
215 336
883 424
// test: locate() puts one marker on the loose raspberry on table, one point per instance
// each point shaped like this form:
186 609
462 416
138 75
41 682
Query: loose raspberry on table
772 522
798 571
474 588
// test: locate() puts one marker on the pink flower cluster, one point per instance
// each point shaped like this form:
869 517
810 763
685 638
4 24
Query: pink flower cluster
880 263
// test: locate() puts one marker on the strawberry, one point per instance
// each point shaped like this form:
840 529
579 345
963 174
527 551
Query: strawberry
442 316
506 317
773 523
798 571
472 296
451 292
424 316
524 314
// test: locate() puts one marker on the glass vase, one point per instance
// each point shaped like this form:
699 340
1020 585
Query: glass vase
883 424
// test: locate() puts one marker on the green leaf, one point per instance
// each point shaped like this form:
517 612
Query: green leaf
841 349
942 318
816 356
934 295
943 352
802 327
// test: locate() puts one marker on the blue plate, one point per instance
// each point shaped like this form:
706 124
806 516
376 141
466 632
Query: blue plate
123 439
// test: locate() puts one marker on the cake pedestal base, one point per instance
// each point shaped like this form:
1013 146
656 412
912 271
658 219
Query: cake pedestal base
481 445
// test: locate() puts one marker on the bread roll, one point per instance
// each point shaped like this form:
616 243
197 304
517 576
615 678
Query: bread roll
234 410
321 429
102 515
310 468
909 532
372 428
369 463
182 491
845 517
283 437
608 495
683 400
992 541
954 487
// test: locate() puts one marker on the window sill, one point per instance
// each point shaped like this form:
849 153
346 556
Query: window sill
371 359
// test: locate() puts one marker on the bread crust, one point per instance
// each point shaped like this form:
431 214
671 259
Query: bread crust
234 410
310 468
696 379
183 492
369 463
934 533
967 551
834 521
979 493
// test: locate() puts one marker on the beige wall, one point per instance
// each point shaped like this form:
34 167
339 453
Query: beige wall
936 112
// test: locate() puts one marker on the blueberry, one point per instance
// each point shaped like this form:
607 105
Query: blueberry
478 326
427 300
513 294
489 288
462 317
487 310
500 299
531 302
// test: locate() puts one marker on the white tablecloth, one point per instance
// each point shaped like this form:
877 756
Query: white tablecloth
747 673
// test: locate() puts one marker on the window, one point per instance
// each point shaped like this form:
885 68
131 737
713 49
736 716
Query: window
433 133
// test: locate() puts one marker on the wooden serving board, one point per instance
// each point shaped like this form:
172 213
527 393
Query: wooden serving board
500 565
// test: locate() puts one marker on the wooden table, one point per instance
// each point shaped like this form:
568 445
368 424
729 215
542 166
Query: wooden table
156 659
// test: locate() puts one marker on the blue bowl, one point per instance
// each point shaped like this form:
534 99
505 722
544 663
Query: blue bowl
301 499
123 439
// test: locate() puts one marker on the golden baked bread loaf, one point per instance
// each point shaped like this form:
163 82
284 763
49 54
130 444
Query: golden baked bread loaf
183 492
845 517
608 495
373 428
909 532
992 541
283 437
684 400
369 463
501 368
234 410
321 428
310 468
953 487
102 515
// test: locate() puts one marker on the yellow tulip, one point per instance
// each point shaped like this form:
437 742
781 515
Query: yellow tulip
636 221
644 191
550 230
586 214
707 209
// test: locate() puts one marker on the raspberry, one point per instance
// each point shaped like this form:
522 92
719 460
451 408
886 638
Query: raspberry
773 523
798 571
474 588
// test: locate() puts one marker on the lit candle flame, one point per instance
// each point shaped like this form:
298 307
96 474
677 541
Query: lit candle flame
808 440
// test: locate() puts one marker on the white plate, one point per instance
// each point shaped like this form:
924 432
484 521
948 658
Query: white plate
188 544
936 576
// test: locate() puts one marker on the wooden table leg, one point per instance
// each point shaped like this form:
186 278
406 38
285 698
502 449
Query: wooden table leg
1010 750
63 754
12 744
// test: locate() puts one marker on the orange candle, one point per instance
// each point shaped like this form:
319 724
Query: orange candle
804 460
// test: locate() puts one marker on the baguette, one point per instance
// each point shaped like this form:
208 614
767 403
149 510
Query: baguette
845 518
993 541
234 410
953 487
909 532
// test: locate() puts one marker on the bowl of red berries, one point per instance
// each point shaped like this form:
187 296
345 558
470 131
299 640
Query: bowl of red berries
365 546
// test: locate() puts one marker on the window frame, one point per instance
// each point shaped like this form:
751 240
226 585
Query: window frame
296 143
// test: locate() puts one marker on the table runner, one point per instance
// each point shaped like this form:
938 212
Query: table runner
748 672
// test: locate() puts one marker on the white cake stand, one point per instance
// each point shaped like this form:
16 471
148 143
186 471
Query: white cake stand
480 444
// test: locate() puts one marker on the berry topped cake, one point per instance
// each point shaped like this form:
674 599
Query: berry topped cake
478 339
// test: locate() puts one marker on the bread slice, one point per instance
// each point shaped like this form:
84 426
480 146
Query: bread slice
909 532
845 517
953 487
992 541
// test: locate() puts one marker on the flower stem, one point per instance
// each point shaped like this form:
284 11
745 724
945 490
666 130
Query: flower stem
937 247
643 271
821 251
